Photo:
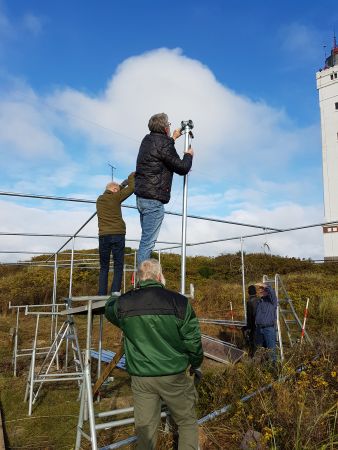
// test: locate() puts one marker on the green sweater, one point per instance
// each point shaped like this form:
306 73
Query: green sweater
161 331
108 207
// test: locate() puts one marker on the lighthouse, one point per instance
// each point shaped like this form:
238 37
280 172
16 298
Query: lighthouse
327 85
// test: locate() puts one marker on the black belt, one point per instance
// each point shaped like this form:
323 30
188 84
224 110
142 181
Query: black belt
265 326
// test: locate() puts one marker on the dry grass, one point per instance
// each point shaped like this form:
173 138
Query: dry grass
300 413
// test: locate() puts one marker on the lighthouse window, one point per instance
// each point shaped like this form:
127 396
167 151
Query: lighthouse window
336 105
335 75
331 76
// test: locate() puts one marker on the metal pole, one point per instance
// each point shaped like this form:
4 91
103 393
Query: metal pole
70 295
100 346
87 380
31 387
243 281
184 216
135 269
304 321
15 352
80 200
71 269
52 333
279 331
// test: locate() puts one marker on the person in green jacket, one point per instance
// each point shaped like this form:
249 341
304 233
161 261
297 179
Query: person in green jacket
162 339
112 231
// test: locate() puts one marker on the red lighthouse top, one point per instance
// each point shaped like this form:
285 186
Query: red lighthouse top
332 60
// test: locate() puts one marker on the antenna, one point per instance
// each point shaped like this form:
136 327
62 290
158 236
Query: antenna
112 171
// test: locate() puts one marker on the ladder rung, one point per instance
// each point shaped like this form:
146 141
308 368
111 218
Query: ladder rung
291 321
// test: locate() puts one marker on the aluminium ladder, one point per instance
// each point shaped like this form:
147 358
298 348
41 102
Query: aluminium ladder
287 317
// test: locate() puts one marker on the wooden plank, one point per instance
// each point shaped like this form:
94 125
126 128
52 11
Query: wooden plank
97 308
105 374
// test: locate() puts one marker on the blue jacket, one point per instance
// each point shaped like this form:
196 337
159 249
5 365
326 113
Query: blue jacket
266 310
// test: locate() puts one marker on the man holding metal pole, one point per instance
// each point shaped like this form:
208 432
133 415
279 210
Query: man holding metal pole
112 231
157 161
162 339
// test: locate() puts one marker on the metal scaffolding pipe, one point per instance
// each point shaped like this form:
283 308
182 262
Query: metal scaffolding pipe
80 200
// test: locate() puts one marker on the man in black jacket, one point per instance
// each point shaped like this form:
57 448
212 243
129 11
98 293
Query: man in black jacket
156 163
250 329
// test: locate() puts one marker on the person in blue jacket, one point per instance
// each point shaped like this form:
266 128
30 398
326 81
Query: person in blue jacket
265 320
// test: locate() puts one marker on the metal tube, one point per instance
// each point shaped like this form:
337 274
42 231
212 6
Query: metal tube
7 233
115 412
99 363
15 350
69 199
279 331
52 359
80 419
135 269
71 269
77 377
87 379
120 444
184 217
117 423
243 281
31 387
75 234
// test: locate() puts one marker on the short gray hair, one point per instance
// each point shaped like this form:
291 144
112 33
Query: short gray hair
149 269
112 186
158 122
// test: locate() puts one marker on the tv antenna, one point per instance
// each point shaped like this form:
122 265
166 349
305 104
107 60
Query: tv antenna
112 171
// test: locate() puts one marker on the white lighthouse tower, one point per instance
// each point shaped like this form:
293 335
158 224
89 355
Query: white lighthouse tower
327 85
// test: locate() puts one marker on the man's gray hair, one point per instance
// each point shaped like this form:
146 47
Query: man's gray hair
149 269
158 122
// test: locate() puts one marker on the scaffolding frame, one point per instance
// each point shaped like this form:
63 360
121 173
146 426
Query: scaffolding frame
86 390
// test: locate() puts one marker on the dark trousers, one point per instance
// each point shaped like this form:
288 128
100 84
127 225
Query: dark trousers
111 244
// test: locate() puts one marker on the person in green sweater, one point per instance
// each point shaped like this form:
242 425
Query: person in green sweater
162 339
112 232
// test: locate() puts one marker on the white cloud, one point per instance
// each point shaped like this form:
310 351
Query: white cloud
32 23
303 243
66 138
233 133
26 127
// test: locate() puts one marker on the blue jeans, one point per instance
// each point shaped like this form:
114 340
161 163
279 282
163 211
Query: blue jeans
266 337
111 244
151 217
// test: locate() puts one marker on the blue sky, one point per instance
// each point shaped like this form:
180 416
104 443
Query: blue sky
79 80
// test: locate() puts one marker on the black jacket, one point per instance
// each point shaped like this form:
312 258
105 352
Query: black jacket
251 308
156 162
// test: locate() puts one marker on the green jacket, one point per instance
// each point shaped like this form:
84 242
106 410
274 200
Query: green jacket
161 332
108 207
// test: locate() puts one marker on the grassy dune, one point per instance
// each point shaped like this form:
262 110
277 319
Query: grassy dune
299 413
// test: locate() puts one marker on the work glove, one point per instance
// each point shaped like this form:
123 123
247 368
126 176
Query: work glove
197 371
